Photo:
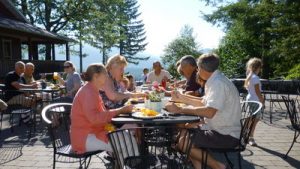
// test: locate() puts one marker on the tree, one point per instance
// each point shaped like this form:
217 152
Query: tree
259 28
132 32
184 44
54 15
103 26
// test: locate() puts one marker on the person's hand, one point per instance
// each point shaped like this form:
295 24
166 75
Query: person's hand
137 95
126 109
171 107
175 96
34 85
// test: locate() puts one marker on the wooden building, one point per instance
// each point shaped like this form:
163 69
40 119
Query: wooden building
20 40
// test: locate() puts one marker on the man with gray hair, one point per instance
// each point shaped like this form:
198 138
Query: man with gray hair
220 108
13 82
188 68
28 74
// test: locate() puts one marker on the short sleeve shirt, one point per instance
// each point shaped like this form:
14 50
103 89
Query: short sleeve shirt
254 80
221 94
12 91
72 79
152 77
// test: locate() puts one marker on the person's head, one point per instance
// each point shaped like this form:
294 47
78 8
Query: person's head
96 73
126 82
29 69
145 71
19 67
130 78
157 67
187 66
69 67
254 65
115 66
178 68
207 65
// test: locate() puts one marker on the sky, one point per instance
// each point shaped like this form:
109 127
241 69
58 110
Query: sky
164 19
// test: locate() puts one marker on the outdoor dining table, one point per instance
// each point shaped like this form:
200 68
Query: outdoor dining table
167 119
41 90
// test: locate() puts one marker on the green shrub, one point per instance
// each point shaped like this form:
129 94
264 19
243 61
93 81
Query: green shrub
294 73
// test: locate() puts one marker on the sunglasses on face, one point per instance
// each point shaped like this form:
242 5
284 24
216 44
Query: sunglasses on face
66 67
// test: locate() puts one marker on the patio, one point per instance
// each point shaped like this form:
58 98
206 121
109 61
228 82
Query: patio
273 140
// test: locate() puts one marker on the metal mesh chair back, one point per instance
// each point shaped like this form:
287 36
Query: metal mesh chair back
249 111
57 116
156 149
293 109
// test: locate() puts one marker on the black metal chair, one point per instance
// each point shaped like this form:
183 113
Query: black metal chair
294 116
157 148
57 117
17 109
247 122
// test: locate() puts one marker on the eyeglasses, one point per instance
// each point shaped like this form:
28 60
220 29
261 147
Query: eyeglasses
66 67
199 77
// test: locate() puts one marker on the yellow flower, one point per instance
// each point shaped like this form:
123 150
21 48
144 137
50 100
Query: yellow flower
109 127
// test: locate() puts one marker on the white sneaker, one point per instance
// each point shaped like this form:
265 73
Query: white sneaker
252 142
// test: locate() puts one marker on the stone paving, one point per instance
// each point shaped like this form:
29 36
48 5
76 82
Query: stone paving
16 151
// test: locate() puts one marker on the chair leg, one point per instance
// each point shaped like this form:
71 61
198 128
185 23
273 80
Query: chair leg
1 123
87 162
228 160
12 123
240 160
204 159
271 109
294 140
54 160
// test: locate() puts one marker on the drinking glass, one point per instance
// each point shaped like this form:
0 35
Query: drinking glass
55 76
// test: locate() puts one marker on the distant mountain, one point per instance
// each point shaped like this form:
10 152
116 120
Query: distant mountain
207 50
94 56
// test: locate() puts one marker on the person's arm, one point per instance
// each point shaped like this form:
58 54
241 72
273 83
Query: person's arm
203 111
258 93
18 85
112 94
61 80
94 116
186 99
77 85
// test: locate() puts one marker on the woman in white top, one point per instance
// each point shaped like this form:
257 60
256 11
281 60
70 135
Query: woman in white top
253 85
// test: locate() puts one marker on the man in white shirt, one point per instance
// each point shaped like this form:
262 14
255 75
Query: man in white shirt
158 74
220 108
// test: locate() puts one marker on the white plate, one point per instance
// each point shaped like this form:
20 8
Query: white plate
141 116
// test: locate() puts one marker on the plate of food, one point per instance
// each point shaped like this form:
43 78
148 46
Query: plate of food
146 114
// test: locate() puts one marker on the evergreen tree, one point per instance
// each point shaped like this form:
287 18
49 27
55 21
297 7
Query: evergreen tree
184 44
132 32
259 28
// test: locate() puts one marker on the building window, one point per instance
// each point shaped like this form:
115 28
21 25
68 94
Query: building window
7 49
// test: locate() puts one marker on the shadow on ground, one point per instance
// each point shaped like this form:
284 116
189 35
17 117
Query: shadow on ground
293 162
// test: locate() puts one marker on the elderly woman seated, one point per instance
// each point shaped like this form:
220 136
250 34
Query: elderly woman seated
90 120
112 94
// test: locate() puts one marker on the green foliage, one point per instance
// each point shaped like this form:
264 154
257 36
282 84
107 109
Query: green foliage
294 73
132 32
184 44
259 28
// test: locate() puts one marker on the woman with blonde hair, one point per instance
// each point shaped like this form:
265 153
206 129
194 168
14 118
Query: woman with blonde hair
111 92
253 85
